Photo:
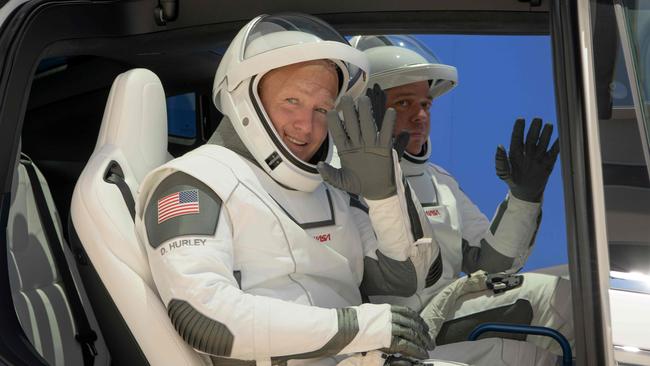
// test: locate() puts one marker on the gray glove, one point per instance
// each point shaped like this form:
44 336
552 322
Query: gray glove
410 334
527 166
366 156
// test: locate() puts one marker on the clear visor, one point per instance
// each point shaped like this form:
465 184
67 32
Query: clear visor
402 59
364 43
273 32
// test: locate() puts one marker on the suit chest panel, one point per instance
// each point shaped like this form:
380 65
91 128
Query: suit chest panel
313 232
441 208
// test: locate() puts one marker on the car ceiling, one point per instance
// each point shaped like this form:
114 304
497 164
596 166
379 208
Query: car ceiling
185 53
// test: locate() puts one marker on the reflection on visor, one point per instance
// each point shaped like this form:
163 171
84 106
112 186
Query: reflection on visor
272 32
404 41
277 31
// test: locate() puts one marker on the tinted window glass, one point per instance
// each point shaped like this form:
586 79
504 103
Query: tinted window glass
621 74
467 123
181 115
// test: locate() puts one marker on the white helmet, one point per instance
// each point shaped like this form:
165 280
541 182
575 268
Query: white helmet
266 43
397 60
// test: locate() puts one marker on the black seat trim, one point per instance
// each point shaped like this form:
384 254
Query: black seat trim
86 336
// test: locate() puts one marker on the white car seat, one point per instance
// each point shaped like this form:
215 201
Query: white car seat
132 141
42 282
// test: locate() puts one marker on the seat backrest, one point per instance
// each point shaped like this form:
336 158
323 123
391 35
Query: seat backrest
133 134
42 306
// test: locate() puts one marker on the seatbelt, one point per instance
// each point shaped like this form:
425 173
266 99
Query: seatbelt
85 335
115 175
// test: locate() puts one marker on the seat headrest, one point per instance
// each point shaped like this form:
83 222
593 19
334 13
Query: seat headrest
135 121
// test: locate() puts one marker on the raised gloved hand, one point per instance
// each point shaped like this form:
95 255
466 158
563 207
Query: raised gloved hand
410 334
378 102
366 156
527 166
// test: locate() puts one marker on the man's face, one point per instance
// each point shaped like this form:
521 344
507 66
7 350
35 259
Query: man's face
297 98
412 103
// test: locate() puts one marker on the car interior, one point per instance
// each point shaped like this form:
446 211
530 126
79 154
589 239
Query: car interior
95 122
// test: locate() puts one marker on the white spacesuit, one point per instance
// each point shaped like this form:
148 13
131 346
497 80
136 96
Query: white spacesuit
468 241
256 258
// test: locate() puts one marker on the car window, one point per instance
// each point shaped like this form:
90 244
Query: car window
463 145
622 79
181 116
636 35
500 78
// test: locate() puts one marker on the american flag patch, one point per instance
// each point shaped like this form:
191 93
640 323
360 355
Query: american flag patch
178 204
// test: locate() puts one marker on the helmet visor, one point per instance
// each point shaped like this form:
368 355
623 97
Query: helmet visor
402 59
364 43
273 32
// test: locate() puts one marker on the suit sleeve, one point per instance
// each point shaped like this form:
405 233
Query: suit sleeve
502 245
401 255
191 255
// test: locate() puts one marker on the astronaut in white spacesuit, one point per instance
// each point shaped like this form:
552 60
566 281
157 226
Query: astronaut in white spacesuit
411 77
256 258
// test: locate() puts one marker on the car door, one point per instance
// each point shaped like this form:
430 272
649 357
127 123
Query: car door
582 175
611 38
621 73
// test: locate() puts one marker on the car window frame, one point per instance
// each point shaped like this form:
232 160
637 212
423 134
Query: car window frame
578 174
582 177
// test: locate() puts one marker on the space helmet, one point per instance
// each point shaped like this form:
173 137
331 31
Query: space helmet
266 43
